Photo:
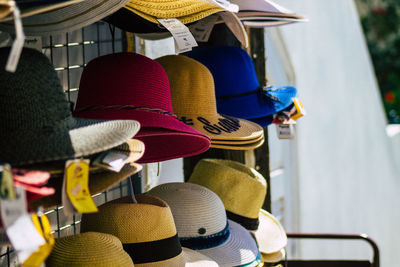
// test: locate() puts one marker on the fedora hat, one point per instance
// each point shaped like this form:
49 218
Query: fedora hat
132 86
146 230
242 190
237 89
193 100
65 19
202 225
87 250
35 118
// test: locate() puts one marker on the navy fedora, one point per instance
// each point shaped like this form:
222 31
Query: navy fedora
237 89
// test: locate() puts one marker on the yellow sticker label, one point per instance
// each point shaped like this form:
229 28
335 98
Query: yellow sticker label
77 186
300 111
6 182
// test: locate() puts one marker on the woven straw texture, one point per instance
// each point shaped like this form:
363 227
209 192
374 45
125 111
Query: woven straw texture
241 189
35 120
273 257
5 8
238 142
87 250
70 18
193 96
233 146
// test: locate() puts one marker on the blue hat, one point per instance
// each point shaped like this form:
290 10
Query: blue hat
237 89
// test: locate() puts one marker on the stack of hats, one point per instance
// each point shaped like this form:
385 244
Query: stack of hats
237 88
193 100
243 190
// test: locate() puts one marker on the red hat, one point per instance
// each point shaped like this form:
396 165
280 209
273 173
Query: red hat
131 86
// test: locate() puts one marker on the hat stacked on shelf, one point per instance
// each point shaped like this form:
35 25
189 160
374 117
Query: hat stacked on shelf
193 100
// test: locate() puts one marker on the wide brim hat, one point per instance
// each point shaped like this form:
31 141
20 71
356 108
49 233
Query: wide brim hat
140 90
89 249
240 142
233 146
265 7
66 19
146 230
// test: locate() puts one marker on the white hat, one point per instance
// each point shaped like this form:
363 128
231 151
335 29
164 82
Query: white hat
202 225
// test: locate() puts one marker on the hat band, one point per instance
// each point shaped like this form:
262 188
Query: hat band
209 241
248 223
261 90
127 107
154 251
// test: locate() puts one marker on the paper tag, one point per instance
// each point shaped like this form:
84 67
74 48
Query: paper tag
12 209
202 29
6 182
183 38
18 43
300 111
111 160
76 179
34 42
285 131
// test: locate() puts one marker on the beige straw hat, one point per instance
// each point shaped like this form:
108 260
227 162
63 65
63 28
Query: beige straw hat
242 190
87 250
234 146
193 101
240 142
146 230
273 257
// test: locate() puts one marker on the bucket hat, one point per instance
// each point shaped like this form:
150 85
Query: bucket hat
131 86
87 250
202 225
193 100
35 118
66 19
242 190
237 89
147 232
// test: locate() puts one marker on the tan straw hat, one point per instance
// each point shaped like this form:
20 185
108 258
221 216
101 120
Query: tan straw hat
234 146
87 250
236 142
242 190
193 101
146 230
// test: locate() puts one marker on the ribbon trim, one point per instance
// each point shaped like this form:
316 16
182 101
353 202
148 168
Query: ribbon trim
127 107
248 223
204 242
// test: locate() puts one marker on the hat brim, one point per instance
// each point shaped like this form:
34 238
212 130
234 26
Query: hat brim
66 19
239 249
165 137
270 235
236 142
273 257
263 121
232 146
196 259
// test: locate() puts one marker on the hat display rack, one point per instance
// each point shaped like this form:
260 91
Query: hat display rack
141 228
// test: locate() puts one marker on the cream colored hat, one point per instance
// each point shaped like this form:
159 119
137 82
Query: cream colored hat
202 225
87 250
242 190
193 101
146 230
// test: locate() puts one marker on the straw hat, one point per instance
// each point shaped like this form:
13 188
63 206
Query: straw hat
202 225
193 100
66 19
233 146
35 117
87 250
146 230
237 89
242 190
132 86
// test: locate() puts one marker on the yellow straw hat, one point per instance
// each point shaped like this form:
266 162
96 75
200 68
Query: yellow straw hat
193 101
146 230
87 250
235 142
242 190
234 146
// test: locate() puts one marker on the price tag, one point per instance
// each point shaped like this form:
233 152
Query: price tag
76 186
34 42
111 160
285 131
202 29
183 38
18 43
6 182
300 111
12 209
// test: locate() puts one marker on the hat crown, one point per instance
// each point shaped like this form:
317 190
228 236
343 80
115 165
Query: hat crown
124 79
197 211
241 189
231 67
192 85
32 97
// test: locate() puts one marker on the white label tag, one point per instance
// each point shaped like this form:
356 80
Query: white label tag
183 38
34 42
68 207
203 28
12 209
111 160
285 131
18 43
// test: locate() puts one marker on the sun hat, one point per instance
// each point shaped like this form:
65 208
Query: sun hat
233 146
237 89
35 117
147 232
202 225
66 19
193 100
132 86
236 142
242 190
87 250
